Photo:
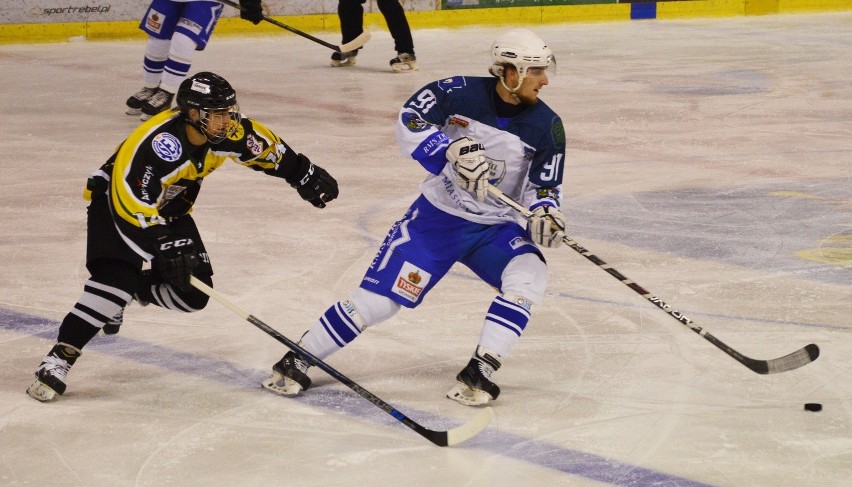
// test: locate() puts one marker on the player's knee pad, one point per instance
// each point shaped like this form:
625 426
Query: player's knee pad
525 276
371 308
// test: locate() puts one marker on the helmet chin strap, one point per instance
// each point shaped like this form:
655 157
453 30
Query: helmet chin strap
513 91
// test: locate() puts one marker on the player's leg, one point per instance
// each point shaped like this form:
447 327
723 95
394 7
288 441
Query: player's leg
401 32
409 263
190 33
351 15
514 265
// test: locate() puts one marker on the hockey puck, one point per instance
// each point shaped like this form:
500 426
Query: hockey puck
813 406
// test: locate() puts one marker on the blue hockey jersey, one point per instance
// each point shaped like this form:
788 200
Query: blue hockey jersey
525 153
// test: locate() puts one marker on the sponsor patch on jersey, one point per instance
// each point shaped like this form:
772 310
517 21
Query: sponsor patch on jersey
167 146
459 121
413 122
154 21
255 145
411 281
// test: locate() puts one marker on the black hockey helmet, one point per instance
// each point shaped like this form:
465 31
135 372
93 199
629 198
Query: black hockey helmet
208 92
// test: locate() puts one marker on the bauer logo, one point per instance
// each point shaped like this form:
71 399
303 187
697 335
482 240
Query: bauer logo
167 146
411 281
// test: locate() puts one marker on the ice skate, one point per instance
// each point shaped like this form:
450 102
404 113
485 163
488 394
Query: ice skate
404 61
474 386
289 376
134 103
348 58
52 372
159 101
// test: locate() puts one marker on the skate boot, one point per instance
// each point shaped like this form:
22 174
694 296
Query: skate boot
159 101
348 58
134 103
51 374
404 61
474 386
112 326
289 376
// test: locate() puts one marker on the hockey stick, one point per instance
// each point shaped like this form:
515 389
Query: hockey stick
800 357
355 43
440 438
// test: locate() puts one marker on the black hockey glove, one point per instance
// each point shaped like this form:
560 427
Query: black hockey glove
313 183
251 10
175 260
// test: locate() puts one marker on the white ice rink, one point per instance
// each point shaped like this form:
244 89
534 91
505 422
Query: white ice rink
708 160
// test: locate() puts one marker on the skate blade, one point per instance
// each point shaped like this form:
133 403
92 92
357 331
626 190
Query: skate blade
404 67
283 386
41 392
464 394
133 111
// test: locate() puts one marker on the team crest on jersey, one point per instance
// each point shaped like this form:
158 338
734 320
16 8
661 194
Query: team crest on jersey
413 122
154 21
411 281
496 170
238 134
167 146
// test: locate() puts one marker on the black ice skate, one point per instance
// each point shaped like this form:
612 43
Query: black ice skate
134 103
159 101
51 374
474 386
404 61
289 376
348 58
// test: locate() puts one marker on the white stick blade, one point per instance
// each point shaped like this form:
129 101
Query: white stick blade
471 428
356 43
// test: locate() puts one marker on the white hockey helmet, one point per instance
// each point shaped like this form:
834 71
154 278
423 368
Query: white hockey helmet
521 49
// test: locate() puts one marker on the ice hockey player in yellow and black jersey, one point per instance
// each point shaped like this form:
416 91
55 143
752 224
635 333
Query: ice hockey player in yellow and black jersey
141 200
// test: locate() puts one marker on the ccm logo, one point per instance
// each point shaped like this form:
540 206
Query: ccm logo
182 242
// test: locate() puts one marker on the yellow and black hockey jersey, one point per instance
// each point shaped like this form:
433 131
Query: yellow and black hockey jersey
155 174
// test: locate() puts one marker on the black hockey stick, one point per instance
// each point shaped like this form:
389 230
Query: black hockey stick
440 438
355 43
800 357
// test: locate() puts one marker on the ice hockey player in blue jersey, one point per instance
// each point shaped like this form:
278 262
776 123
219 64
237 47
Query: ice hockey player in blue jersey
468 133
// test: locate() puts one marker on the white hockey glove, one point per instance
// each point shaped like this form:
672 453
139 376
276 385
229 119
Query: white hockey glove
468 159
547 226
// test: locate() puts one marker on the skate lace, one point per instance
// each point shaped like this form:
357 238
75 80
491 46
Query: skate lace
56 366
159 98
144 93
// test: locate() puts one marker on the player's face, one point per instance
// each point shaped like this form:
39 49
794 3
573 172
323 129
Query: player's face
218 121
534 81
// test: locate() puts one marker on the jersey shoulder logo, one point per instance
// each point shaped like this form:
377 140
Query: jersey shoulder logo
413 122
237 134
167 146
